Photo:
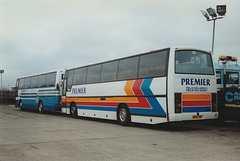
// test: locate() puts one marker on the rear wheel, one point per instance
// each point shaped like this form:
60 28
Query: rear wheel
123 115
238 121
40 107
73 110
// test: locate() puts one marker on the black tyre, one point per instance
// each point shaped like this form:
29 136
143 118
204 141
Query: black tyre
238 122
40 107
73 110
123 115
21 105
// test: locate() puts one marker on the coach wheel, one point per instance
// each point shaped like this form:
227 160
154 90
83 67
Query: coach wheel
21 105
40 107
238 121
123 115
73 110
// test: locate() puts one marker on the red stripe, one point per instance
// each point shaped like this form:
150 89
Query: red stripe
196 103
142 101
137 87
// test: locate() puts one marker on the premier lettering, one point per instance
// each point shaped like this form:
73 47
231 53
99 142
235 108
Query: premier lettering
195 82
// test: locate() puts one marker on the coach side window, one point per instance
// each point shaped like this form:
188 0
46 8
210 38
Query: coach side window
34 82
152 65
21 83
109 71
93 73
128 68
42 80
51 79
27 83
80 76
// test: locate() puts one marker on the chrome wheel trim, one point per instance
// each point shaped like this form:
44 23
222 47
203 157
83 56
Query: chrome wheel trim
123 114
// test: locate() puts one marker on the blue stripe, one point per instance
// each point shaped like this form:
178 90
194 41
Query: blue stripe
99 108
145 87
197 109
46 90
156 107
25 94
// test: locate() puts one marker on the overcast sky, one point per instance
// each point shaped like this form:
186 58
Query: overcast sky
43 35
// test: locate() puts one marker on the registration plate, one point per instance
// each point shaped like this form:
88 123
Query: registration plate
197 117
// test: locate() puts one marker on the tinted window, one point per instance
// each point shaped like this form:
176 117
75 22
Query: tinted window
70 79
218 75
93 75
193 62
152 65
34 82
51 79
232 78
109 71
42 80
80 76
21 83
128 68
27 83
66 74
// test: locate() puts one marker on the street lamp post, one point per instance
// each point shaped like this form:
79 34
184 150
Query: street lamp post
221 10
1 71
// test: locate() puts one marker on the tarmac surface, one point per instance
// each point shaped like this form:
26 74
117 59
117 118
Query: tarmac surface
30 136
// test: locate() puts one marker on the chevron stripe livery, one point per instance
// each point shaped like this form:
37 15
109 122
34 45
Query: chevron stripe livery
138 96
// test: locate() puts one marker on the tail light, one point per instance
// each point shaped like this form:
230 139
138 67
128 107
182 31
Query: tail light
178 103
214 102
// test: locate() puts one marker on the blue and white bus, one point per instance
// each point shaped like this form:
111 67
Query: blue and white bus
40 92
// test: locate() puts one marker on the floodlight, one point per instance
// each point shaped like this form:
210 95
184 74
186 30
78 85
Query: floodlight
205 14
221 10
1 71
212 12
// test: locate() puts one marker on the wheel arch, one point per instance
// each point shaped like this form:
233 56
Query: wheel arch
40 100
72 103
123 104
19 101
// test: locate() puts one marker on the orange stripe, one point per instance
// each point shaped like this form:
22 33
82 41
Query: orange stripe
196 96
128 90
107 99
128 87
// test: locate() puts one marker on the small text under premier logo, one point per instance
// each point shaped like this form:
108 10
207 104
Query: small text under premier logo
189 82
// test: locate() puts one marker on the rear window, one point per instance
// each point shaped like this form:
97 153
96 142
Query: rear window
193 62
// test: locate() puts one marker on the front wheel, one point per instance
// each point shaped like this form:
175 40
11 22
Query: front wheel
40 107
123 115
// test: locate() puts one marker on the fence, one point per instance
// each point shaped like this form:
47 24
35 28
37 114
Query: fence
8 97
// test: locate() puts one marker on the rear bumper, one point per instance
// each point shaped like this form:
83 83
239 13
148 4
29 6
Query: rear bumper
193 116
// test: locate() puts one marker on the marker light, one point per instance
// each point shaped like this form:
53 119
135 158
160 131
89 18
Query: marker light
229 58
